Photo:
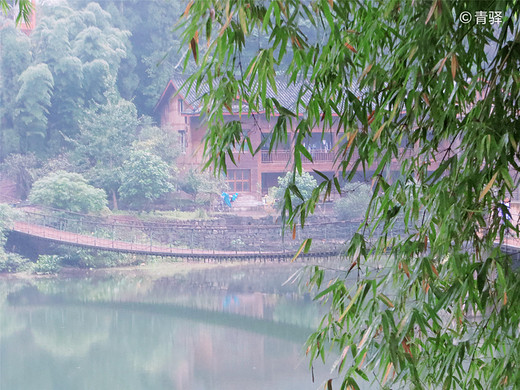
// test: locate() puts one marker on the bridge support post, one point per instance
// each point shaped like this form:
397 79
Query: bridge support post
283 240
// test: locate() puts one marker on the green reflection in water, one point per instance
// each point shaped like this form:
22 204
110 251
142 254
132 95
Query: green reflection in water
214 329
70 331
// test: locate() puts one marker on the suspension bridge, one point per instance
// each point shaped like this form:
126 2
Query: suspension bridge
191 240
187 240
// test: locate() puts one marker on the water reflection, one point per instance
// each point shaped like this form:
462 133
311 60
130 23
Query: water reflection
218 328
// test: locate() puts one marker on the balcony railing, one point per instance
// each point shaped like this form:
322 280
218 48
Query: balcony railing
322 155
318 155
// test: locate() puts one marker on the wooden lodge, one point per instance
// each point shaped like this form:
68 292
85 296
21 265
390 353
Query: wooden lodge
254 175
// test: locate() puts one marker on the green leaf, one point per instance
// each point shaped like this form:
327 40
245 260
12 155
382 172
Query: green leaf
329 289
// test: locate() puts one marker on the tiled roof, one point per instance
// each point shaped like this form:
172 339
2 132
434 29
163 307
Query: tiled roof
287 94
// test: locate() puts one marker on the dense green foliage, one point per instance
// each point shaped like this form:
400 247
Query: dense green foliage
80 54
32 106
9 262
69 64
441 98
74 91
163 143
47 264
302 187
68 191
88 258
16 58
103 143
144 179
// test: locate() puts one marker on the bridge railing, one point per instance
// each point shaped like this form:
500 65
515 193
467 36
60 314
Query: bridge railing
243 238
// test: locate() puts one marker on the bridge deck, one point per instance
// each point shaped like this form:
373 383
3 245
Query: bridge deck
92 242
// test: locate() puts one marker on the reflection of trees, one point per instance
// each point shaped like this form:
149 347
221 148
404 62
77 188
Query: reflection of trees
290 311
94 287
250 290
10 322
154 332
249 278
69 331
153 336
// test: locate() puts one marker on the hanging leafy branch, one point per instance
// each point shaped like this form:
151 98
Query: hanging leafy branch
440 97
23 12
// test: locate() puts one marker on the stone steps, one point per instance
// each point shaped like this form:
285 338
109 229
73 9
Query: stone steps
246 202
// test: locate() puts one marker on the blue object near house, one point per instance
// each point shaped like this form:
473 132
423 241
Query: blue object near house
226 198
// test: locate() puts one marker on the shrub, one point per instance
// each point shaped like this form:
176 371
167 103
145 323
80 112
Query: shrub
9 262
47 264
68 191
13 262
304 182
88 258
237 244
354 201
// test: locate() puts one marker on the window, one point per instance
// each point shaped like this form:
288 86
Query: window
239 180
183 141
180 105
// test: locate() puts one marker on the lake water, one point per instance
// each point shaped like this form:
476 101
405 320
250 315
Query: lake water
214 327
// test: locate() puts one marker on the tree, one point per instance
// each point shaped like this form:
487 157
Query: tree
303 183
164 143
354 201
445 310
146 71
16 56
103 143
68 191
22 169
203 186
32 106
83 51
145 178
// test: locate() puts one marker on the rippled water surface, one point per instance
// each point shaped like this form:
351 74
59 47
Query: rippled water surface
232 327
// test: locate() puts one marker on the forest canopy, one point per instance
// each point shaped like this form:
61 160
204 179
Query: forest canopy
79 56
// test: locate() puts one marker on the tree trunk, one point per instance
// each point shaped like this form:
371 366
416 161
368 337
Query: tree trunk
114 200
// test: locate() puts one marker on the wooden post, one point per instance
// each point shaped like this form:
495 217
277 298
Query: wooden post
283 240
